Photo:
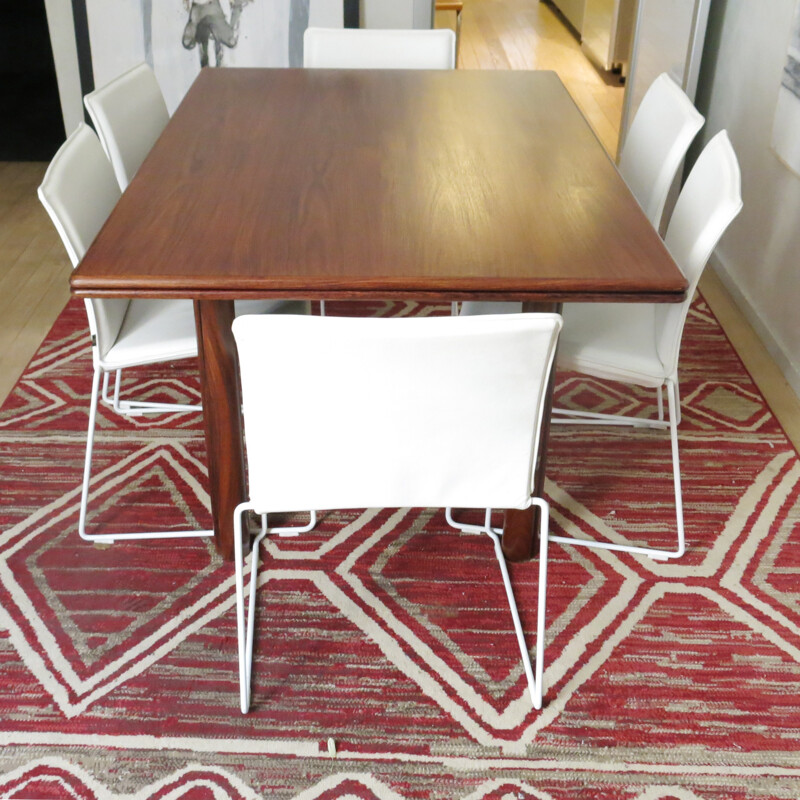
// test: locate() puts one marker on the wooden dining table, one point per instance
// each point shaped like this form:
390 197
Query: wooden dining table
393 184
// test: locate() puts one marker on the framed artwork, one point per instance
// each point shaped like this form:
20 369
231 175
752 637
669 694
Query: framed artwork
179 37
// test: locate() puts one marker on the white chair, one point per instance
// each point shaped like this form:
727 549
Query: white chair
359 48
79 190
665 125
437 411
639 344
128 114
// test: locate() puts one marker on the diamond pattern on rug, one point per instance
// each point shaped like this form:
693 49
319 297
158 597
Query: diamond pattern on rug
387 631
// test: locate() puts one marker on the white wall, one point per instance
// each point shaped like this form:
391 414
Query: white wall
396 14
668 38
126 32
116 37
65 56
759 257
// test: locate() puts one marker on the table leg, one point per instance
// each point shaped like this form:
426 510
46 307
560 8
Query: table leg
520 527
222 418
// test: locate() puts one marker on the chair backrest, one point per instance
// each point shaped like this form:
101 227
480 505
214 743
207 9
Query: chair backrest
709 201
665 124
436 411
128 114
359 48
79 191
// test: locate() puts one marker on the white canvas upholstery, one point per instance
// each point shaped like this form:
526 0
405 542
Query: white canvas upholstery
79 191
665 125
359 48
425 412
153 331
128 114
640 344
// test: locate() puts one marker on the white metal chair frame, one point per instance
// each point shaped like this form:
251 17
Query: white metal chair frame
709 202
125 408
78 192
80 170
246 625
135 408
246 622
568 416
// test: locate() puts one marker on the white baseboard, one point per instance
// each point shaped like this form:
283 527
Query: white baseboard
790 370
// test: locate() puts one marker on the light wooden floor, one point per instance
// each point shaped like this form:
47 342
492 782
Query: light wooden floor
34 270
495 34
527 34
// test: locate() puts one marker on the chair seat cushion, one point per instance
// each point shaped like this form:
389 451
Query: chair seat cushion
163 330
615 341
153 331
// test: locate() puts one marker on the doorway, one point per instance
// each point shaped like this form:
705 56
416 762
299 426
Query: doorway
32 127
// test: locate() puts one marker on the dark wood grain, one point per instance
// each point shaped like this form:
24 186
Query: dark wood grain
362 184
336 183
222 402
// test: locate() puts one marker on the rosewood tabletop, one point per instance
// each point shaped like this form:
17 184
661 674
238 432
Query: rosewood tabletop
445 185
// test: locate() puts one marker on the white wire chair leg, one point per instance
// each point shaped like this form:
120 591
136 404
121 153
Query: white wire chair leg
244 632
674 418
585 417
533 675
87 472
246 629
133 408
117 387
567 416
245 623
104 395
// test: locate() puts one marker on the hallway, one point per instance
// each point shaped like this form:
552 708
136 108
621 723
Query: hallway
529 34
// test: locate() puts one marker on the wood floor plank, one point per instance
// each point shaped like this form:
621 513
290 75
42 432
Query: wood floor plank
40 269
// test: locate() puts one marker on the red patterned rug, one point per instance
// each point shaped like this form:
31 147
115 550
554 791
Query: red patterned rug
388 632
